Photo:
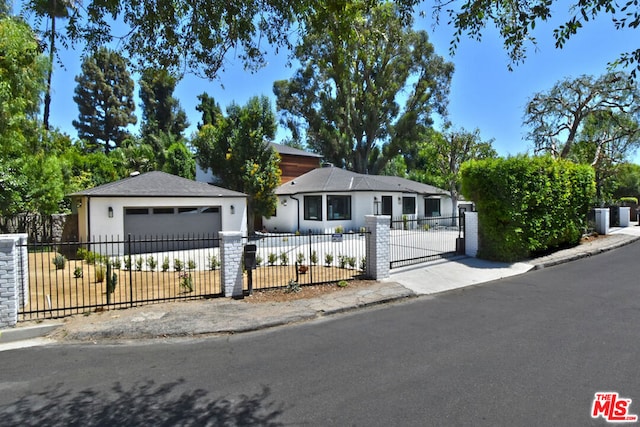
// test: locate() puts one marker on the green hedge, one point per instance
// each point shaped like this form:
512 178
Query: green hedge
527 204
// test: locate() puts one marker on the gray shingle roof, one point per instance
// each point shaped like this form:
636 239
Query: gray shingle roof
326 179
157 184
285 149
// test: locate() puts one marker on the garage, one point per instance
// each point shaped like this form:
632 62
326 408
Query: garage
180 227
156 206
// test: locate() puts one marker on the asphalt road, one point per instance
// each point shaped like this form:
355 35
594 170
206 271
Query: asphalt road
531 350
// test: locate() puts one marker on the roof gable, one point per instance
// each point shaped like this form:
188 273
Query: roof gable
157 184
327 179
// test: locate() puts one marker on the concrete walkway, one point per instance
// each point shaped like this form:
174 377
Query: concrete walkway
223 316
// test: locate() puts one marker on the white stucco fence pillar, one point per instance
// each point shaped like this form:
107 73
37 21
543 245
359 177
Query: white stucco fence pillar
14 277
231 256
625 215
471 234
602 221
379 246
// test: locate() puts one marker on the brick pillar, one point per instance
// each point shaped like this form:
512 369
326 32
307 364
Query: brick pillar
378 246
14 277
231 255
471 233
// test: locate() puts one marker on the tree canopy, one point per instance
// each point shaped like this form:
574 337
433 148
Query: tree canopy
558 116
516 21
104 96
358 60
236 149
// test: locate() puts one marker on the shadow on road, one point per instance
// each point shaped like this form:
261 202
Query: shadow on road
142 404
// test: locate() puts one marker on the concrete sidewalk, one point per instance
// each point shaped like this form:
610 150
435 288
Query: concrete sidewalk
224 316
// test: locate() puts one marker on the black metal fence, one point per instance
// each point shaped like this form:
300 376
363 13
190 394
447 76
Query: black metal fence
415 240
308 259
77 277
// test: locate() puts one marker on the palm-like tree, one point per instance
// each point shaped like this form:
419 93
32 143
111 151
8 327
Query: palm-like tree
51 10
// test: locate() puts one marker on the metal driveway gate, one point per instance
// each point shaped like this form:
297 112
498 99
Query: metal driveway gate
413 241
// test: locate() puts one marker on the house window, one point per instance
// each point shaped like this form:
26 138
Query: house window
313 208
160 211
338 207
432 207
136 211
408 205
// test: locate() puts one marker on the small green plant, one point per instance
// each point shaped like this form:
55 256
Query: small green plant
165 264
90 257
292 287
186 282
59 261
78 273
284 259
342 261
139 263
178 265
363 263
351 261
426 227
81 253
297 232
339 229
100 273
314 257
151 263
405 222
127 263
116 263
259 260
272 259
328 259
214 263
300 258
191 265
111 283
343 284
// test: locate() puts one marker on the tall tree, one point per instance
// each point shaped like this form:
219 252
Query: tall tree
51 10
516 21
104 96
442 153
209 108
357 58
557 117
161 112
236 148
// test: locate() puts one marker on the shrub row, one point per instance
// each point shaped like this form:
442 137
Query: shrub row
527 204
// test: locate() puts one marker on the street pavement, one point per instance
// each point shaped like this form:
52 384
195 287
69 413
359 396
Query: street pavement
228 316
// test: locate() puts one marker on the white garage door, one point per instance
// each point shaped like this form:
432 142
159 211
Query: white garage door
177 227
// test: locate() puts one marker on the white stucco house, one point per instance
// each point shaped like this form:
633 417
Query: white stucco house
326 198
157 205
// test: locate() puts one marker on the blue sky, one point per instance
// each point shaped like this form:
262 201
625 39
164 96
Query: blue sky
484 94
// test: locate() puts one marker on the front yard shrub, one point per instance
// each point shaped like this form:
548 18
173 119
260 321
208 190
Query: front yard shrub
59 261
78 273
351 261
186 282
127 263
139 263
363 263
314 257
214 263
165 264
191 265
178 265
272 259
527 204
300 258
284 259
342 261
100 273
151 263
328 259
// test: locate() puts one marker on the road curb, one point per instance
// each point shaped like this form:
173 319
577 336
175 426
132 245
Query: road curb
27 332
585 254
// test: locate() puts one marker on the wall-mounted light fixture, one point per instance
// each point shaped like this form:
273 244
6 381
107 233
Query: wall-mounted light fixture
79 203
376 206
110 212
233 210
399 199
284 202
